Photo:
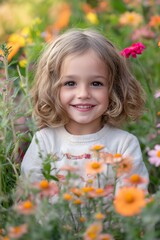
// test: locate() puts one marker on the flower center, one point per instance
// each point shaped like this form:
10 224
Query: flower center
158 154
117 155
135 178
129 198
44 184
27 204
99 190
95 165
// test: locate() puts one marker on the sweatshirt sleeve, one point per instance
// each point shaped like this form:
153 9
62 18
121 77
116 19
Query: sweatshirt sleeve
131 148
31 167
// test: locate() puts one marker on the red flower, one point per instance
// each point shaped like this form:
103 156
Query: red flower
133 50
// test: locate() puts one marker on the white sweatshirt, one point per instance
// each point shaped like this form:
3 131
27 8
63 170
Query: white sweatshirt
75 150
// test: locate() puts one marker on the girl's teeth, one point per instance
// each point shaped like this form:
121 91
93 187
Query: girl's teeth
83 107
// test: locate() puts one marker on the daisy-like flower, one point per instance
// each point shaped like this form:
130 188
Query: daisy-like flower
125 166
97 147
135 179
67 197
130 19
94 167
133 50
47 188
101 192
69 168
18 231
129 201
155 21
93 231
154 155
25 207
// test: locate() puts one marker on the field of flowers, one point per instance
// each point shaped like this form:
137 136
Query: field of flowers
54 208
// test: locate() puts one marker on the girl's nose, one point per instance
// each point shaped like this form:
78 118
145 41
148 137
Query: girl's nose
83 92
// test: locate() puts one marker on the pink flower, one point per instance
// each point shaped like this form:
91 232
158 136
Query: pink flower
154 155
157 94
133 50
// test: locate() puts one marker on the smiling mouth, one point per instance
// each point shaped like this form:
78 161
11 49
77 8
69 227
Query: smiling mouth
83 106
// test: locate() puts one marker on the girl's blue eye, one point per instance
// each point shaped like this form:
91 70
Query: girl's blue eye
69 83
97 84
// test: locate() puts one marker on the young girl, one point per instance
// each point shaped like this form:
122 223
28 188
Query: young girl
83 92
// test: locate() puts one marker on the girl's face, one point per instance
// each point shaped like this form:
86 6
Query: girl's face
84 92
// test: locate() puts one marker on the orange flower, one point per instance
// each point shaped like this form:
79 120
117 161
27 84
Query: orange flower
46 188
129 201
125 166
67 197
94 167
131 19
4 238
135 179
76 191
97 147
25 207
98 192
93 231
82 219
77 201
117 157
63 17
87 189
159 44
99 216
155 21
18 231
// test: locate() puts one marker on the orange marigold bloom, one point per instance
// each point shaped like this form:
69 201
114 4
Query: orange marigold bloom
94 167
155 21
25 207
125 166
131 19
129 201
93 231
18 231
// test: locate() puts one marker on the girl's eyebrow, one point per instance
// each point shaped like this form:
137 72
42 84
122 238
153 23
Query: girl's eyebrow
92 76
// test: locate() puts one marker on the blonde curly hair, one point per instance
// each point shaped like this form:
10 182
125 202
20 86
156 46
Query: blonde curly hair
126 96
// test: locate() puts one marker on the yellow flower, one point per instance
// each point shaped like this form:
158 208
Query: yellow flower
131 19
129 201
92 18
23 63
